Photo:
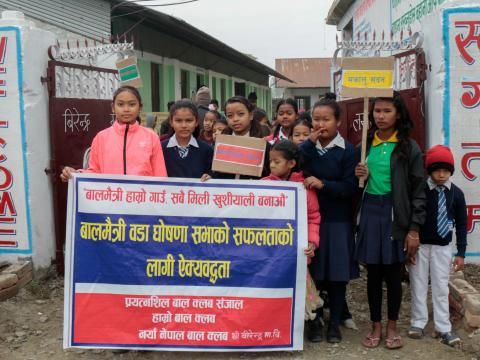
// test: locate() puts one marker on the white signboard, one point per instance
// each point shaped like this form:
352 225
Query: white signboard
461 125
407 14
15 229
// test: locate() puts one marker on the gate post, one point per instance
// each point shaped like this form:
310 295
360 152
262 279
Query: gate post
26 211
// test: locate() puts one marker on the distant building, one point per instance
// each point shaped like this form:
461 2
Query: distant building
311 78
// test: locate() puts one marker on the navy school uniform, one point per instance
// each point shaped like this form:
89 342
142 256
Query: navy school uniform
197 162
333 260
456 213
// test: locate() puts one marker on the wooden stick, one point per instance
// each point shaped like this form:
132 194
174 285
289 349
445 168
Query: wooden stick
361 182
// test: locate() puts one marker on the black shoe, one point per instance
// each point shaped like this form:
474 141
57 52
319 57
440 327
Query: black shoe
333 334
315 333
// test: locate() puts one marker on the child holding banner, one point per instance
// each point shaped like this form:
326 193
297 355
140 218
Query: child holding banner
331 162
392 211
286 115
126 147
284 159
185 155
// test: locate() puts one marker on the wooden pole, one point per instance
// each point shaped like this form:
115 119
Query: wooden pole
361 182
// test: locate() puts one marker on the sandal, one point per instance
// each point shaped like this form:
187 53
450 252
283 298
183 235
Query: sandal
394 342
371 341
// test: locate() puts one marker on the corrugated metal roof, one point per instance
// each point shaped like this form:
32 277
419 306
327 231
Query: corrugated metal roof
306 72
192 45
89 18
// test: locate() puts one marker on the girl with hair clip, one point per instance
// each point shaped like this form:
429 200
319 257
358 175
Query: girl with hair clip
391 213
239 114
330 160
185 155
286 115
126 147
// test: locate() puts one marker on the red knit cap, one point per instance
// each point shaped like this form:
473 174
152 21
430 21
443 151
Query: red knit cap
439 157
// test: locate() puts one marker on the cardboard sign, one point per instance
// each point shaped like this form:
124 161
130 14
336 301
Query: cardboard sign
367 77
182 265
129 73
239 155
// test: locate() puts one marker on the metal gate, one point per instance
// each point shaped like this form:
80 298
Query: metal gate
80 99
410 70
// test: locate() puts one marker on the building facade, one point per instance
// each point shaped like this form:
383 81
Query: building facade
310 76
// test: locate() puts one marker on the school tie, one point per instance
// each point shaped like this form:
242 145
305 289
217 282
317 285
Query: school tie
322 151
442 218
183 151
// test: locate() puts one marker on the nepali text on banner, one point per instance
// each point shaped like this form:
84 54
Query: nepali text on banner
178 264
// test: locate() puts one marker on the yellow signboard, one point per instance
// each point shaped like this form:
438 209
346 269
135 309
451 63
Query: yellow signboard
367 77
373 79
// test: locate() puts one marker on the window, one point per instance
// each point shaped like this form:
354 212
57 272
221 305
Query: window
223 89
155 87
200 81
184 84
239 89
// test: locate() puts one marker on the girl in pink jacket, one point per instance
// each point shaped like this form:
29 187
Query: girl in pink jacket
126 147
284 157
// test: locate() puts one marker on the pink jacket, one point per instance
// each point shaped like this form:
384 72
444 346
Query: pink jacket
143 152
313 209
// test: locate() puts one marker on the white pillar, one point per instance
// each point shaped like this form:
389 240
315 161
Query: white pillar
26 209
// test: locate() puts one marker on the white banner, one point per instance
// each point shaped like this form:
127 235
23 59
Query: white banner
461 126
15 233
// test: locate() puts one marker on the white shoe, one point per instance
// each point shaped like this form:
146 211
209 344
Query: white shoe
349 324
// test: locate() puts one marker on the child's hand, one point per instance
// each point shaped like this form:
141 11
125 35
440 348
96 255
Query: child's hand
310 250
67 173
412 243
314 135
312 182
458 263
361 171
205 177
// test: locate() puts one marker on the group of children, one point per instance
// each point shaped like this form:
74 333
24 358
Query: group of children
401 217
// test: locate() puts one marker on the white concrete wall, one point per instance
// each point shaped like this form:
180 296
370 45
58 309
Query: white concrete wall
35 43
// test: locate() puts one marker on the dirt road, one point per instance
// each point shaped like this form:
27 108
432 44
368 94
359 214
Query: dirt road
31 328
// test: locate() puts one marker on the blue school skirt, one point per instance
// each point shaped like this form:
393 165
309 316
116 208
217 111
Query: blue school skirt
333 260
375 244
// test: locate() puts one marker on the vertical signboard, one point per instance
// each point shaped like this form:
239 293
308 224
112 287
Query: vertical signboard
461 126
15 234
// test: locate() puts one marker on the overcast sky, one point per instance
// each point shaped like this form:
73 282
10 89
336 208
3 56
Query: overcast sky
267 29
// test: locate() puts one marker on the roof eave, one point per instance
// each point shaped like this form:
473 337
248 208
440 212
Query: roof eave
337 11
208 42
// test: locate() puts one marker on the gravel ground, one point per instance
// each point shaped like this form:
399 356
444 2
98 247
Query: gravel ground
31 328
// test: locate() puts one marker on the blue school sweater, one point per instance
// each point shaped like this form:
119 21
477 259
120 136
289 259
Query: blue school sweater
456 212
197 162
336 169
